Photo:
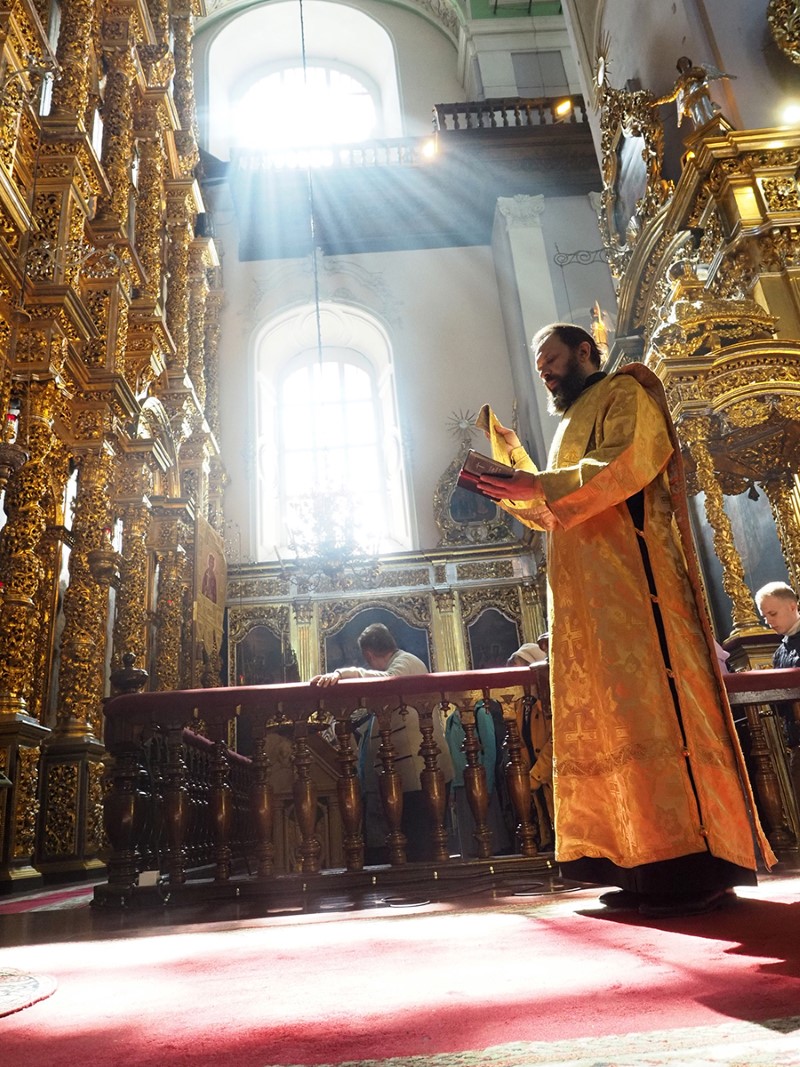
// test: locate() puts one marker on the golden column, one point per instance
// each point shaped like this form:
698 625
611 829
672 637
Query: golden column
781 493
71 824
132 501
21 572
534 621
214 303
171 533
117 150
182 12
695 432
21 569
304 638
179 228
445 626
71 92
150 205
198 295
81 677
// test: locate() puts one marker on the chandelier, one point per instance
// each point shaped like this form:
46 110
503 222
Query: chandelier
329 551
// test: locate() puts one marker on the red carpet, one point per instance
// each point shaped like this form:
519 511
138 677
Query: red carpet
331 988
51 900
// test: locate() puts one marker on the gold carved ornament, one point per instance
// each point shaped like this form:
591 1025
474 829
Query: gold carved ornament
696 432
505 600
783 18
627 115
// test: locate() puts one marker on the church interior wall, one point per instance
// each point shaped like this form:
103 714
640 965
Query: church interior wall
449 349
493 45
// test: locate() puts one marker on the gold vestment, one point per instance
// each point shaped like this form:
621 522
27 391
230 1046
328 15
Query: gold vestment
627 787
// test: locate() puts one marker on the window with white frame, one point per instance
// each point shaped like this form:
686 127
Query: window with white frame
260 94
297 108
330 468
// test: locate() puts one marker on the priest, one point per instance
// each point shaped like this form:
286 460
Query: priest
650 788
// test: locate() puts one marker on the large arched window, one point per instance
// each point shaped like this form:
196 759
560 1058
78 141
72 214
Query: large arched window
260 93
297 108
330 462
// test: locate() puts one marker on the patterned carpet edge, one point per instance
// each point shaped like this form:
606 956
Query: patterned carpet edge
775 1043
19 990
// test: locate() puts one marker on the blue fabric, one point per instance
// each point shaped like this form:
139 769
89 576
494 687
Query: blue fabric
487 756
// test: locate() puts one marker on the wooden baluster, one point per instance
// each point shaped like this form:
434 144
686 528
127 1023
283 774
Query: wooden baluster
153 759
261 810
793 757
519 789
391 787
348 789
200 831
765 781
176 807
434 787
475 786
124 813
195 828
221 811
305 801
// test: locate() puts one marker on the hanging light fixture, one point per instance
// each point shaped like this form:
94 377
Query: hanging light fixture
312 224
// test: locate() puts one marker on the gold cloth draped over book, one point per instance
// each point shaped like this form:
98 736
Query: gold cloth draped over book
625 786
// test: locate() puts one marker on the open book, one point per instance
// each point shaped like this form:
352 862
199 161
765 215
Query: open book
476 464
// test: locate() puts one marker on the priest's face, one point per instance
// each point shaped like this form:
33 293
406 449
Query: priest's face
563 371
780 613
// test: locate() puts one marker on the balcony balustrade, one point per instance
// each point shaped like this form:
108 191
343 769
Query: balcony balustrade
509 112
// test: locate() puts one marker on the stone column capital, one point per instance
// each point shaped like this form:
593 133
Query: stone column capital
521 211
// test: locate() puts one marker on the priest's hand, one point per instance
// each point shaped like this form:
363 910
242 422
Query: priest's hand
509 436
522 485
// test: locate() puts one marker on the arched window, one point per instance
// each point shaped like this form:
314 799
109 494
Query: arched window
330 467
296 108
260 93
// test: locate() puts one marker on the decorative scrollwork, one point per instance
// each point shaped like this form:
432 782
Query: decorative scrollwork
783 17
583 256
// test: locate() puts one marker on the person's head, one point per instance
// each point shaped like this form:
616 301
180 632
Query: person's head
212 561
526 655
543 641
565 356
778 605
377 645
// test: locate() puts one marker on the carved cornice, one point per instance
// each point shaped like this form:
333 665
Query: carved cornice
504 599
335 614
275 617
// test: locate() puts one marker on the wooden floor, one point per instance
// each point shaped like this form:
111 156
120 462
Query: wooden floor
53 915
64 912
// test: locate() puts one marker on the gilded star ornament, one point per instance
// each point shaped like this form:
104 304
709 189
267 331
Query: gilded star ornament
462 423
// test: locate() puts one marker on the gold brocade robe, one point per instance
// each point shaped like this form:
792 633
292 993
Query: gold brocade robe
626 788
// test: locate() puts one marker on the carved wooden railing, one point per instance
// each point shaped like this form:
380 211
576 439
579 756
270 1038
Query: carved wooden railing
763 702
508 113
177 802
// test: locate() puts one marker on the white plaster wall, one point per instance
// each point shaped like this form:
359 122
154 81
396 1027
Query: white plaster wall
493 42
449 348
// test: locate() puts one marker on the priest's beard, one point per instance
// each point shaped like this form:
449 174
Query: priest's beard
568 388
